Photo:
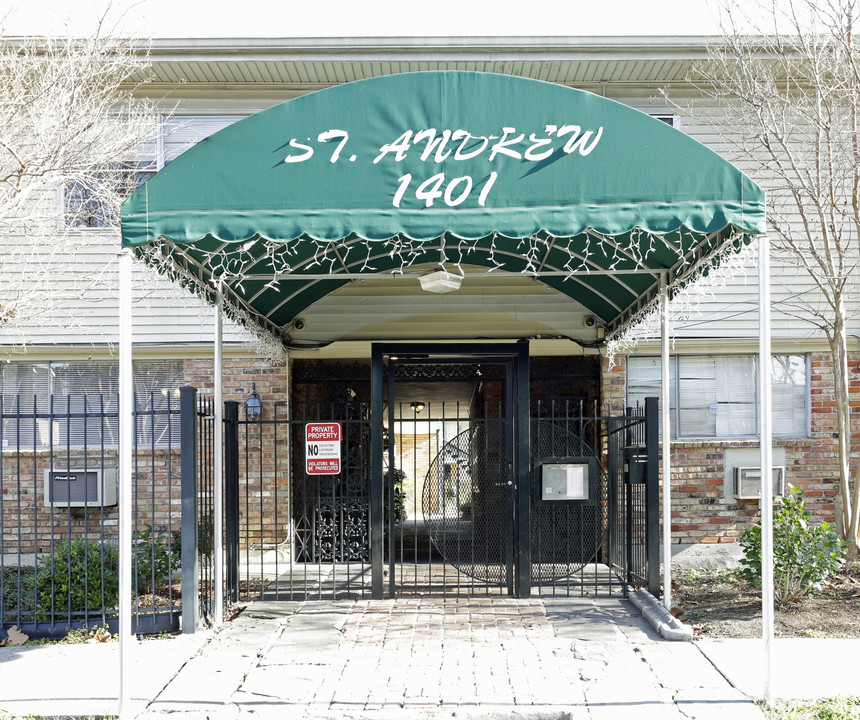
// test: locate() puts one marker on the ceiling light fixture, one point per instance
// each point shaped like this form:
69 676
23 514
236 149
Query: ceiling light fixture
440 281
417 407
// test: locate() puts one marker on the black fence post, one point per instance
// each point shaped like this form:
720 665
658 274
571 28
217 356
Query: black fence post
376 475
652 494
231 497
523 471
613 509
188 472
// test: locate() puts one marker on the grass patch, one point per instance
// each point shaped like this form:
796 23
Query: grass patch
838 708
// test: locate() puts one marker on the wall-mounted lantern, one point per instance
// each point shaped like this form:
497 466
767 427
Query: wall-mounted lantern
253 405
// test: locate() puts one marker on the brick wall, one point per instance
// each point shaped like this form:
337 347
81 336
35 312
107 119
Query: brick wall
28 526
703 508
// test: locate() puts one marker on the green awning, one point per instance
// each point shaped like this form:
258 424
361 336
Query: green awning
384 174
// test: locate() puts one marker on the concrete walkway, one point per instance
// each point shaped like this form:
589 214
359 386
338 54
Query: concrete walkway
484 657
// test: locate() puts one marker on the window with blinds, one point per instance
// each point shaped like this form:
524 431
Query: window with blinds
76 404
93 198
717 396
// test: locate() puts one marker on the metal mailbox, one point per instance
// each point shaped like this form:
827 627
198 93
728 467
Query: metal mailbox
566 480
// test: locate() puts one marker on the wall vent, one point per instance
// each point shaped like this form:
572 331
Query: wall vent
80 488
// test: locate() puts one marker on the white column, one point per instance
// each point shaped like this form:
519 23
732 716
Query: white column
665 416
126 425
218 451
765 433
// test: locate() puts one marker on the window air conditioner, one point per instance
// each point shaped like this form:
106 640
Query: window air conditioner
80 488
748 482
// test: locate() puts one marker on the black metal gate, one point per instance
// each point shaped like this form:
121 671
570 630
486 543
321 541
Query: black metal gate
446 450
450 468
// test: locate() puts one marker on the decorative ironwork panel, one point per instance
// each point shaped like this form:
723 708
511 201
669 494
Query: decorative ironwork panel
332 512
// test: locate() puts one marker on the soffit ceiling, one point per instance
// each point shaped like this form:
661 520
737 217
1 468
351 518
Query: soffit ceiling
321 62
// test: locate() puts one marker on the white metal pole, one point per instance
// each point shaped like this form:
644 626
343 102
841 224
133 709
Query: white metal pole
126 424
218 575
288 393
665 406
765 432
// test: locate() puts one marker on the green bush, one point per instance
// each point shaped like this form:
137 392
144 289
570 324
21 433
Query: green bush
155 559
804 555
13 579
79 576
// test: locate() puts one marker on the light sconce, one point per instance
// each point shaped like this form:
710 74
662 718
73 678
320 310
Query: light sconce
253 405
440 281
417 407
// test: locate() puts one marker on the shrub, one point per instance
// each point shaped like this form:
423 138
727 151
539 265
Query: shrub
155 559
804 555
79 576
15 579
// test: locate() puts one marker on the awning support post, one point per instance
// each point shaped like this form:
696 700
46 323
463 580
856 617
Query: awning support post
765 434
666 426
218 437
126 424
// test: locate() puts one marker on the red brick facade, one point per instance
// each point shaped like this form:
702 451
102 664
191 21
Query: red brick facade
702 510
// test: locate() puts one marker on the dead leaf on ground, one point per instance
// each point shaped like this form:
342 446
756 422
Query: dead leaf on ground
16 637
677 611
101 635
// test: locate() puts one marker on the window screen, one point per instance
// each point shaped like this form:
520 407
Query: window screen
93 199
717 396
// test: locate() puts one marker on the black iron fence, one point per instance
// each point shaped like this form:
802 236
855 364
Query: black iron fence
634 543
59 559
289 534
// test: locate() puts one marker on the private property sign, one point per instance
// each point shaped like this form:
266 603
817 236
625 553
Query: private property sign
322 448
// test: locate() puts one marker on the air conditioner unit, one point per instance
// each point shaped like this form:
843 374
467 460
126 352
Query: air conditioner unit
80 488
748 482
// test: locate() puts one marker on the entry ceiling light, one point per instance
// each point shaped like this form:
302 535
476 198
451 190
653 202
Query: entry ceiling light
417 407
440 281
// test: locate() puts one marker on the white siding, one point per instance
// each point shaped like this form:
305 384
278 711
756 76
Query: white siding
166 315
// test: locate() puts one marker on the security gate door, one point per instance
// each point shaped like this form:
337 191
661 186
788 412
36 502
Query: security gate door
458 525
458 474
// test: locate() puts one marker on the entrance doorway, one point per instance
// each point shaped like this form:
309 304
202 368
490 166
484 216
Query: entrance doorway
464 470
450 459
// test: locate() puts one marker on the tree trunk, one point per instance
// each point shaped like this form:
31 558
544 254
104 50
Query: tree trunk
839 351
